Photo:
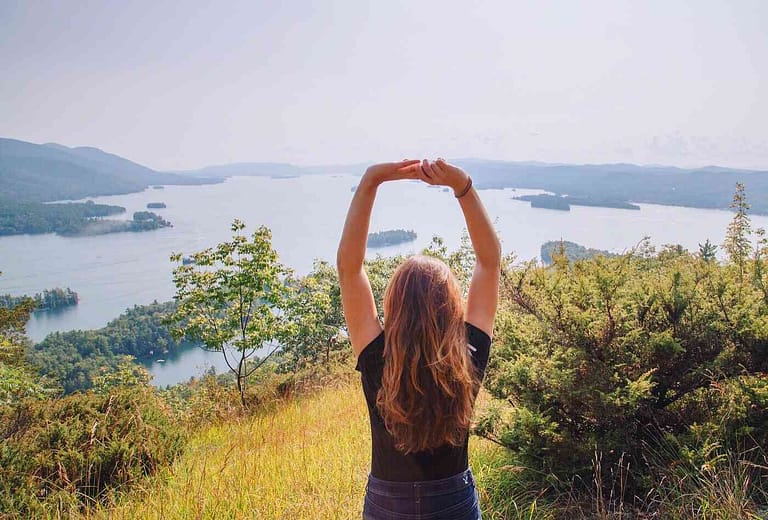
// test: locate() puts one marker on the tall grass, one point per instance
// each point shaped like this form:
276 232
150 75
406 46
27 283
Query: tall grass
306 459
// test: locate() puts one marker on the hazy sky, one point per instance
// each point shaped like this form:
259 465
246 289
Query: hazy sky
187 84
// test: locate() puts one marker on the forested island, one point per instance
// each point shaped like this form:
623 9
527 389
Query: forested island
156 205
48 300
565 202
72 219
18 218
572 251
142 221
390 237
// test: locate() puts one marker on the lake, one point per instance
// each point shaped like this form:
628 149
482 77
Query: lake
306 216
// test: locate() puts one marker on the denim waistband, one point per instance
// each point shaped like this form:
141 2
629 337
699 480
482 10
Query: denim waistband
422 488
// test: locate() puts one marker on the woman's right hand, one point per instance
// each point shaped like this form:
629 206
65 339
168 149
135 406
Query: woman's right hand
440 173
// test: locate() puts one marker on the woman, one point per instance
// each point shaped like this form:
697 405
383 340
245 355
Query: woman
421 371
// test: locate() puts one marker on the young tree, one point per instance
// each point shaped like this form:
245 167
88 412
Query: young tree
707 251
461 261
315 318
737 243
17 378
759 267
230 299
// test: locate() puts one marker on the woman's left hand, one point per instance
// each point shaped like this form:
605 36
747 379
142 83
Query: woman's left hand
383 172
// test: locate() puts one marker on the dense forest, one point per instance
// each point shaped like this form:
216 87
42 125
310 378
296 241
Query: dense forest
76 358
48 300
390 237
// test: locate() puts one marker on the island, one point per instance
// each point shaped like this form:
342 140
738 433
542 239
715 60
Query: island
142 221
156 205
64 219
546 202
565 202
48 300
572 250
390 237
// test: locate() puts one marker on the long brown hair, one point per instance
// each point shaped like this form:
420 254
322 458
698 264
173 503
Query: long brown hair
428 385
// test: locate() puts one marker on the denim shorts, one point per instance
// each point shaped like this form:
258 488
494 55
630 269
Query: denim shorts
452 498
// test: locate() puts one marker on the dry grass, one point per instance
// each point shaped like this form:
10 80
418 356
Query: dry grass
308 459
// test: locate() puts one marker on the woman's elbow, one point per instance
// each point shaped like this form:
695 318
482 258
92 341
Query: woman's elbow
340 264
492 257
344 264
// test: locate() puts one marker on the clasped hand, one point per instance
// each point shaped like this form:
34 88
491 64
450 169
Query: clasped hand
436 173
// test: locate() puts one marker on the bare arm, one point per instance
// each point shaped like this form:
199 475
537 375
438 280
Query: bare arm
356 295
483 296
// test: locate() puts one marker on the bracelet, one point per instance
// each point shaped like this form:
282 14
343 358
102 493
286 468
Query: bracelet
466 188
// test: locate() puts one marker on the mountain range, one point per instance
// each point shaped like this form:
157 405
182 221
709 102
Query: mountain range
47 172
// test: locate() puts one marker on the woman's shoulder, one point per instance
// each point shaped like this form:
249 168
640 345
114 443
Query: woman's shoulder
373 351
477 334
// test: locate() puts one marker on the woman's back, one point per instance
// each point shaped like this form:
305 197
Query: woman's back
389 463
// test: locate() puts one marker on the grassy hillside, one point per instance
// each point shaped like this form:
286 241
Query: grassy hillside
305 459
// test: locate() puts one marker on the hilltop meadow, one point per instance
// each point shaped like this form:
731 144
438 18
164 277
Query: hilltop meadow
629 386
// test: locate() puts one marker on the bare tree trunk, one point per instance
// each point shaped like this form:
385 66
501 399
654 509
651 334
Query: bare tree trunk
241 382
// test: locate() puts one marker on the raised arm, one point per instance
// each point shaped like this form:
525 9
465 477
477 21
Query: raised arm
356 295
483 295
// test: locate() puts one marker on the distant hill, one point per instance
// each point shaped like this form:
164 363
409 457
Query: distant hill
270 169
46 172
613 185
708 187
255 169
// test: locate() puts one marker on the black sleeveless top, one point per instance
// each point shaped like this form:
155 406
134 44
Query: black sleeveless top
387 463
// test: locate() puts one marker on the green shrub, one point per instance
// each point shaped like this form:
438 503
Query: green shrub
605 356
69 452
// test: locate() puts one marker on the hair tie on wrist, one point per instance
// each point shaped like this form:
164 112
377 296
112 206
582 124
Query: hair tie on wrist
466 188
